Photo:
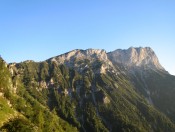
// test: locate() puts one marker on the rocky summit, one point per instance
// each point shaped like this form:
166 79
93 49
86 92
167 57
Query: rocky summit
88 91
136 57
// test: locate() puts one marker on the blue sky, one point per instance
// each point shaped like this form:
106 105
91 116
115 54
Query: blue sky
40 29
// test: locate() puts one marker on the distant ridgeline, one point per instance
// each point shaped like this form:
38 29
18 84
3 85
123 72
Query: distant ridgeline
88 90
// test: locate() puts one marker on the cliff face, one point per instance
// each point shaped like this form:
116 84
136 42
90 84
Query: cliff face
136 57
83 59
132 57
90 54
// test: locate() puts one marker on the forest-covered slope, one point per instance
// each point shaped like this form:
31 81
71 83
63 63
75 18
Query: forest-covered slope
87 90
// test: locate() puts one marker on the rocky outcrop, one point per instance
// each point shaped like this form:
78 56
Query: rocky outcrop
132 57
90 54
43 84
106 100
79 59
136 57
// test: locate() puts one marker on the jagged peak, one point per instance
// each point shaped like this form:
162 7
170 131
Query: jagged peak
81 54
135 48
136 56
77 59
87 51
133 56
96 51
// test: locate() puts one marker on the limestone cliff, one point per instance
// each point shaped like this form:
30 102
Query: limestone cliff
136 57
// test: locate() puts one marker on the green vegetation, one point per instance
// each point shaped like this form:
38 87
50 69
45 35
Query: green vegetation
19 125
22 110
161 87
5 111
48 97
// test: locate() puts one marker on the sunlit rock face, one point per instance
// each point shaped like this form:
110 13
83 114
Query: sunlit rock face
136 57
89 54
80 59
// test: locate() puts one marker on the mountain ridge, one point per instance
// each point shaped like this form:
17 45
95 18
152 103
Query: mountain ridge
136 57
133 57
93 90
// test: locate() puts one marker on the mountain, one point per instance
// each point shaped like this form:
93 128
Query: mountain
81 59
89 90
136 57
148 76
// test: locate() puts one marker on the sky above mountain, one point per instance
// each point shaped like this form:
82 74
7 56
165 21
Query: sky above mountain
40 29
